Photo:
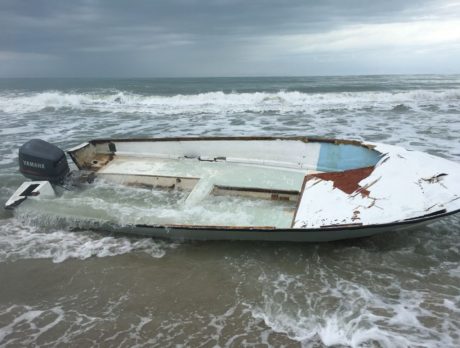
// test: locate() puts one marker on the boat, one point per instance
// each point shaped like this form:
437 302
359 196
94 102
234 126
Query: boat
298 189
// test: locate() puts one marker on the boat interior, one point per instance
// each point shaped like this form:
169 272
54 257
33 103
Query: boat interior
250 169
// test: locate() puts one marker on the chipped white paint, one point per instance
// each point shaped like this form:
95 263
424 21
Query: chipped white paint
404 185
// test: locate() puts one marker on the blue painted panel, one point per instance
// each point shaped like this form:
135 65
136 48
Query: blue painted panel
339 157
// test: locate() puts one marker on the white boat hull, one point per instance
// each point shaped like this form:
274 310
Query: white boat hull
276 235
320 189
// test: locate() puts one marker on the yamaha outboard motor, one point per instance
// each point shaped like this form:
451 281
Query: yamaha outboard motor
39 160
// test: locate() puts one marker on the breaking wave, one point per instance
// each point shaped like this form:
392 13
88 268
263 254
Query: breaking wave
217 102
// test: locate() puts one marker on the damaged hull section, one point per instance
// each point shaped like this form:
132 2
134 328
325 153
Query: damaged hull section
403 186
319 189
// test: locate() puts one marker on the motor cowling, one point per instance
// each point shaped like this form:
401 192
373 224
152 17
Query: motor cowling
40 160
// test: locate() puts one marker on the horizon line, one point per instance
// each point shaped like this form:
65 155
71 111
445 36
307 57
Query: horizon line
223 77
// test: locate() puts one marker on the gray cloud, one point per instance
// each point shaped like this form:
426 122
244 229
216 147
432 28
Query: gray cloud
223 37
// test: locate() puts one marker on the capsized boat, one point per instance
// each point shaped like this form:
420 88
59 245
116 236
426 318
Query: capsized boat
291 188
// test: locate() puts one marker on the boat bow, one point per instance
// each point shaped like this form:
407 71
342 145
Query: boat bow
404 185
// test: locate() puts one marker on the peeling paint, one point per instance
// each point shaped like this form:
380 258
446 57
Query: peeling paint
435 178
404 185
346 181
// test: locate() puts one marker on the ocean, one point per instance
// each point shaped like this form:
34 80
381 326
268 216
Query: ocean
62 287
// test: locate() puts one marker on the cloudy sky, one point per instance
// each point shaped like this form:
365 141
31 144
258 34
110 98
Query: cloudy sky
175 38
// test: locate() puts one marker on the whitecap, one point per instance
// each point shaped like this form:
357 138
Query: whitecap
220 102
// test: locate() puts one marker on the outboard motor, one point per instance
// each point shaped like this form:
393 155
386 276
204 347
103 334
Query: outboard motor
39 160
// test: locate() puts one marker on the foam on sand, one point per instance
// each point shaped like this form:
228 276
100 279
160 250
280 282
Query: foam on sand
20 240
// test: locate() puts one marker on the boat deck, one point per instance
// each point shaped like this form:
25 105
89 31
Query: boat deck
221 173
199 192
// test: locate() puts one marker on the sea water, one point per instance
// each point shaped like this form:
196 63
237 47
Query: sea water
65 287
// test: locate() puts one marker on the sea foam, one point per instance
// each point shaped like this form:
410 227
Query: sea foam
218 101
19 240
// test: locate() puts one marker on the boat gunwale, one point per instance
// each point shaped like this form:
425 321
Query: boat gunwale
304 139
332 228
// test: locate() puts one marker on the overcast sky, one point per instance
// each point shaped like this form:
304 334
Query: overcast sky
176 38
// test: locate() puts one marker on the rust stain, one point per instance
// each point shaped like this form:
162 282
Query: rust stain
98 161
93 163
346 181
